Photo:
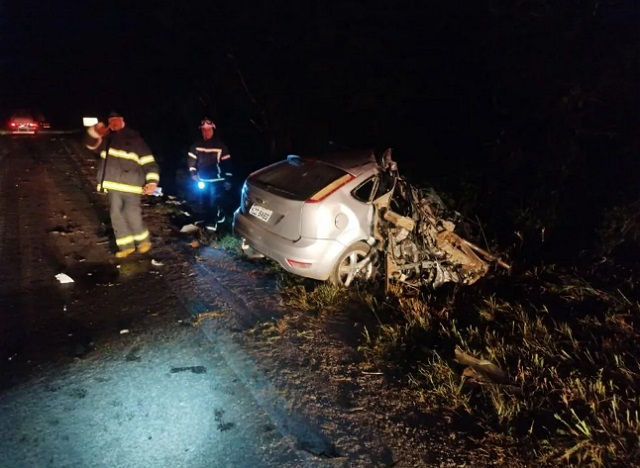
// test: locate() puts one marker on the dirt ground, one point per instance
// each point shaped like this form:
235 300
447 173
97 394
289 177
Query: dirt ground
358 415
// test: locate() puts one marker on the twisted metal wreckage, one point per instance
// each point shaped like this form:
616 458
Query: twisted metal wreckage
416 239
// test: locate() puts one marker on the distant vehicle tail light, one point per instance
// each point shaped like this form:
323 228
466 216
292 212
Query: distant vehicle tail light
297 264
12 125
329 189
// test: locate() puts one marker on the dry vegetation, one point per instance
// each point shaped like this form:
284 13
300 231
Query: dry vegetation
541 355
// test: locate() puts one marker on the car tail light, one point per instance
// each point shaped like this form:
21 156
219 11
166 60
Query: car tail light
297 264
12 125
329 189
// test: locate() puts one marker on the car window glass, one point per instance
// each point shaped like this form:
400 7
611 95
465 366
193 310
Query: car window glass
297 180
363 192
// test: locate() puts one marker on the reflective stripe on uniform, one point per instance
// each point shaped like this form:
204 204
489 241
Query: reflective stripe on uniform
191 155
146 159
141 237
116 153
126 240
209 150
152 176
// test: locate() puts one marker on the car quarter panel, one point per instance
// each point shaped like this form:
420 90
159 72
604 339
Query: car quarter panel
340 217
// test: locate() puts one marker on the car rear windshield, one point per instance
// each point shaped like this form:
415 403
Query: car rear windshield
297 179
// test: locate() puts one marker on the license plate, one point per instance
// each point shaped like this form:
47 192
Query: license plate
260 212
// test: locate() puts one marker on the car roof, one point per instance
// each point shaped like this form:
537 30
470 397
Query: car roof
355 162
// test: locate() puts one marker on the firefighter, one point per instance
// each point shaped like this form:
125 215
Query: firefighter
127 171
209 162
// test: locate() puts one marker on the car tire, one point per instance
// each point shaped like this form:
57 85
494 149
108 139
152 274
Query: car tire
346 269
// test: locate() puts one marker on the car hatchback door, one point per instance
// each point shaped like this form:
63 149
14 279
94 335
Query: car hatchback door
275 196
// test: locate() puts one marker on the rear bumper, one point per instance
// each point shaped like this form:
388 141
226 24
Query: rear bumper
23 130
322 254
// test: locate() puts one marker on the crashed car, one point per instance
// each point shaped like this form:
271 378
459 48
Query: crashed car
350 216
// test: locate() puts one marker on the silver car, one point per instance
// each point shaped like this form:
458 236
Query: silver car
315 216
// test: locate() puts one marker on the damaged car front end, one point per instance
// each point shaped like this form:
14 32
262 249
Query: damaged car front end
416 237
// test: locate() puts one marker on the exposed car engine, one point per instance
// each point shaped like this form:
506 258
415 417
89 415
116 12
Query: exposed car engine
417 239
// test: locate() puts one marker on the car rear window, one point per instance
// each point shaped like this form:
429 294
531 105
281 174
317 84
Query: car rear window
297 179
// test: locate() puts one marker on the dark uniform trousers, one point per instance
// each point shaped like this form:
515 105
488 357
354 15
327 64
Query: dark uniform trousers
126 219
213 202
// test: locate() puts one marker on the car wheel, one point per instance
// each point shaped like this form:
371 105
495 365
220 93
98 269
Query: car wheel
358 262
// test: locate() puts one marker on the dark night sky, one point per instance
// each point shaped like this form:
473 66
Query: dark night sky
424 74
351 69
88 55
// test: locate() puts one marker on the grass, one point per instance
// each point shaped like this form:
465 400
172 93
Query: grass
439 387
308 295
231 244
570 351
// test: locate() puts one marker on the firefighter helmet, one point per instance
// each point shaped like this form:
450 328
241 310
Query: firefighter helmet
207 123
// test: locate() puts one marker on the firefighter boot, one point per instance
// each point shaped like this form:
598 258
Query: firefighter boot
125 252
144 247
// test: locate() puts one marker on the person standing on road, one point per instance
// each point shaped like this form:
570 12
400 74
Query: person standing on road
209 162
128 170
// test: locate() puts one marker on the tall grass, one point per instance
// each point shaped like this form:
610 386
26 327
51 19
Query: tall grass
575 360
570 352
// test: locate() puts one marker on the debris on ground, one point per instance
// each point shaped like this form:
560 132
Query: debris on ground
480 369
63 278
189 228
198 319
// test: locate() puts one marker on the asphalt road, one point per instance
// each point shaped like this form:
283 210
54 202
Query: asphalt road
110 370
